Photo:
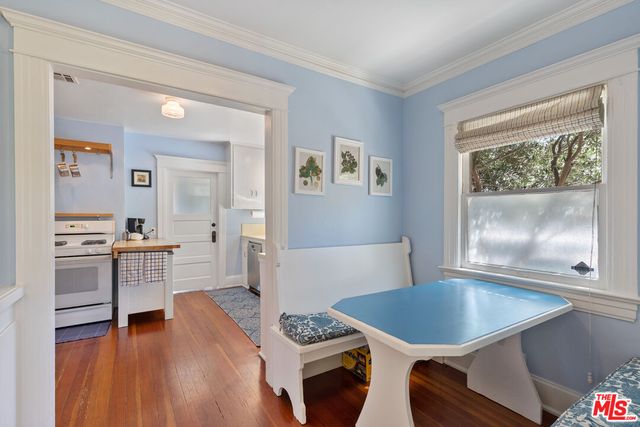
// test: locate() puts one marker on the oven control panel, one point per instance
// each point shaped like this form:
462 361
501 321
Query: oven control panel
85 227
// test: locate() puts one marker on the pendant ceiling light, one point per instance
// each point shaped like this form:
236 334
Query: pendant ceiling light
172 109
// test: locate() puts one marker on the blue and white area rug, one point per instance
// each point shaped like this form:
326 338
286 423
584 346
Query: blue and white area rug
82 332
242 306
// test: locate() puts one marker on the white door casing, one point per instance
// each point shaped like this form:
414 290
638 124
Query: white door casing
192 205
167 168
39 44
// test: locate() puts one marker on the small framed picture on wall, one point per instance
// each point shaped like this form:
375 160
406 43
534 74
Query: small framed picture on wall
140 178
380 176
309 172
348 159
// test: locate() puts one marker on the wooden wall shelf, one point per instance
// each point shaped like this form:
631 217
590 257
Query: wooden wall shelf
72 145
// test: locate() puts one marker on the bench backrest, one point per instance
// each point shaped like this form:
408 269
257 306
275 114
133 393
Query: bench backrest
312 280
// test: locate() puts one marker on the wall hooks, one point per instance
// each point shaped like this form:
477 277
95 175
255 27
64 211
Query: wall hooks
84 147
62 167
74 168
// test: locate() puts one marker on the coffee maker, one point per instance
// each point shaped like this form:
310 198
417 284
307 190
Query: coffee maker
135 225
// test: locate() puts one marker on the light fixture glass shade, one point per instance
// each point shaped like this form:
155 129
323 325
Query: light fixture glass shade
172 109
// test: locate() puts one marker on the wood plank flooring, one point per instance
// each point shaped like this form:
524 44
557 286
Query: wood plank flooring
199 369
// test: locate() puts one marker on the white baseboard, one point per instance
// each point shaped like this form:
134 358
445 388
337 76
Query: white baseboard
229 282
555 397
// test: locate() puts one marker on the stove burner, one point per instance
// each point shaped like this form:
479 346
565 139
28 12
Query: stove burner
94 242
61 243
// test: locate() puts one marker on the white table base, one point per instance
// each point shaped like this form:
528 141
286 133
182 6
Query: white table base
387 402
499 372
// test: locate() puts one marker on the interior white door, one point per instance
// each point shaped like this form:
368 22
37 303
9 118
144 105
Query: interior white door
192 206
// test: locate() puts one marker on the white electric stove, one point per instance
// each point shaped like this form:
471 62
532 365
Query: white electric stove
83 271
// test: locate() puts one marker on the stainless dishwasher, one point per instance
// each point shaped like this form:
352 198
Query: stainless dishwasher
253 267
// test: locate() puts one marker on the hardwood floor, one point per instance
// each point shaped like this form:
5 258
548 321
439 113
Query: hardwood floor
201 370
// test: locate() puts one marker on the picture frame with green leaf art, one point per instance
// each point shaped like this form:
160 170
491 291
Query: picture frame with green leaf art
380 176
309 172
348 161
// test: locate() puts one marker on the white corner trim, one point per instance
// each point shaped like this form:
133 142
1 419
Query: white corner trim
234 280
57 42
180 16
555 398
567 18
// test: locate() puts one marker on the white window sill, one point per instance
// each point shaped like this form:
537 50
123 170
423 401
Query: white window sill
602 303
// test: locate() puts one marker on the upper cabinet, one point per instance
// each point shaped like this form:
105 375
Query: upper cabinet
246 190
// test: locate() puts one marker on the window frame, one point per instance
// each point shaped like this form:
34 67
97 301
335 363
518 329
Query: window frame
616 66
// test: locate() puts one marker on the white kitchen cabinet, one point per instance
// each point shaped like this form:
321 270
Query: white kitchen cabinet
246 186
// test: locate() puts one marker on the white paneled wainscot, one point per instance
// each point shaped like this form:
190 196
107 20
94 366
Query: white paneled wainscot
9 295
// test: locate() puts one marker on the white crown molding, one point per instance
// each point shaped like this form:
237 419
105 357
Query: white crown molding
171 13
567 18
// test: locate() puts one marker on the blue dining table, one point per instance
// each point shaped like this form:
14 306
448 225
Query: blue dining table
452 317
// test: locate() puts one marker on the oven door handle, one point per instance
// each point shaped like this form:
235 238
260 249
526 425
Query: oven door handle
85 258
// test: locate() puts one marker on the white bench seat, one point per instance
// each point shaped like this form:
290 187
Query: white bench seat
312 280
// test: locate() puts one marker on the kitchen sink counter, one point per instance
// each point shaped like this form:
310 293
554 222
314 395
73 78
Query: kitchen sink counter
149 245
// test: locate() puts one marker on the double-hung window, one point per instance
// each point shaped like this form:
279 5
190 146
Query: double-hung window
541 183
531 199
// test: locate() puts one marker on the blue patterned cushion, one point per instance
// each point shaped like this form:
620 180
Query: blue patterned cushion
625 381
312 328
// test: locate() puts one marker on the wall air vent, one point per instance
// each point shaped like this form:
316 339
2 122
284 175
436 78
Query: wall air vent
65 78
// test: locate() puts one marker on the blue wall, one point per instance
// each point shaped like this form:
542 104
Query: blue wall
7 174
556 350
94 191
320 107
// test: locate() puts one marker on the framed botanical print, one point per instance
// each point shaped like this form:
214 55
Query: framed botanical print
348 161
140 178
380 176
309 172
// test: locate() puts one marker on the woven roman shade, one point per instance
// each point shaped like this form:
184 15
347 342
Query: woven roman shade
573 112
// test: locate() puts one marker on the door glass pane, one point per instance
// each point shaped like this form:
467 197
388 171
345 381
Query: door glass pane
191 196
547 232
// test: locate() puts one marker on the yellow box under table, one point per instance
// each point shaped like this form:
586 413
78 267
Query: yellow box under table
358 361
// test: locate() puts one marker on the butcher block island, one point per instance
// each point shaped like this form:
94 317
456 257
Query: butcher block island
145 277
147 245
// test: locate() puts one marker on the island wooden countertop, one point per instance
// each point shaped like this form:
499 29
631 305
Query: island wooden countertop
149 245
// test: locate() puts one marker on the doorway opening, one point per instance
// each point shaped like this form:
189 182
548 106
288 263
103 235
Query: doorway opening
194 179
